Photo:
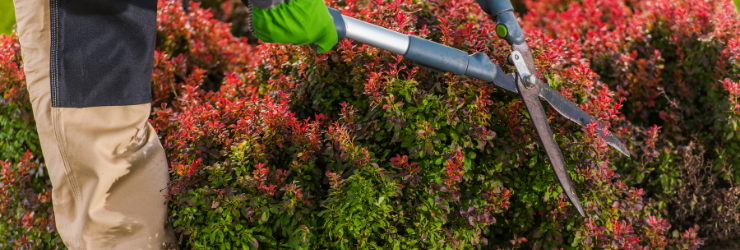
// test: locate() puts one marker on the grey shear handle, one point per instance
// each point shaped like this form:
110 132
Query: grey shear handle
427 54
339 24
507 28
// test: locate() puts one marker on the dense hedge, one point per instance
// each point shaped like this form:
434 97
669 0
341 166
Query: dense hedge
275 146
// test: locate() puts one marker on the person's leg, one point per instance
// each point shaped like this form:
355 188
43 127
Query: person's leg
107 167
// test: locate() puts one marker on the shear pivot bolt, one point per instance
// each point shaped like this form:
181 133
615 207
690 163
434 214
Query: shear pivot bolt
529 81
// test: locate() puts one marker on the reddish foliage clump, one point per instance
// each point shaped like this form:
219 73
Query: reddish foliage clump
25 205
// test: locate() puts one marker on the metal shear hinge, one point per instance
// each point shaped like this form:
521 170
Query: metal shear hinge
528 80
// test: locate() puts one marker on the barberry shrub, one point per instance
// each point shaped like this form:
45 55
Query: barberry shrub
275 146
26 213
676 66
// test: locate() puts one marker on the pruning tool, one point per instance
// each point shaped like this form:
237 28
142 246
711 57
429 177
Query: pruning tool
524 81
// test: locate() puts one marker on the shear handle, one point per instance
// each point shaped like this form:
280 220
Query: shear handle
507 28
425 53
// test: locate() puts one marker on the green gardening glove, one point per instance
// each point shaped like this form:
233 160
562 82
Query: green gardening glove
298 22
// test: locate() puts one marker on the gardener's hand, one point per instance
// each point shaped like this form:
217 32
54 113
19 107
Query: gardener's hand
298 22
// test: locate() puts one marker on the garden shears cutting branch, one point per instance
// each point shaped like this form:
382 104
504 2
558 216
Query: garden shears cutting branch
524 81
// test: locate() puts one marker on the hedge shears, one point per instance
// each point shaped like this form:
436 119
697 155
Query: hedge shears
524 81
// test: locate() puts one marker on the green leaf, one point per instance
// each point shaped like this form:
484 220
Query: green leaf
472 155
438 161
454 136
213 236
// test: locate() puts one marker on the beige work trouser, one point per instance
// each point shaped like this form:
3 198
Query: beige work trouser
107 167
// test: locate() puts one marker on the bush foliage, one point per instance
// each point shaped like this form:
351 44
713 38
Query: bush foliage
275 146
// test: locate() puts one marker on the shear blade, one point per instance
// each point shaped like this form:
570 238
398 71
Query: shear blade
577 115
539 118
505 81
530 94
569 110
